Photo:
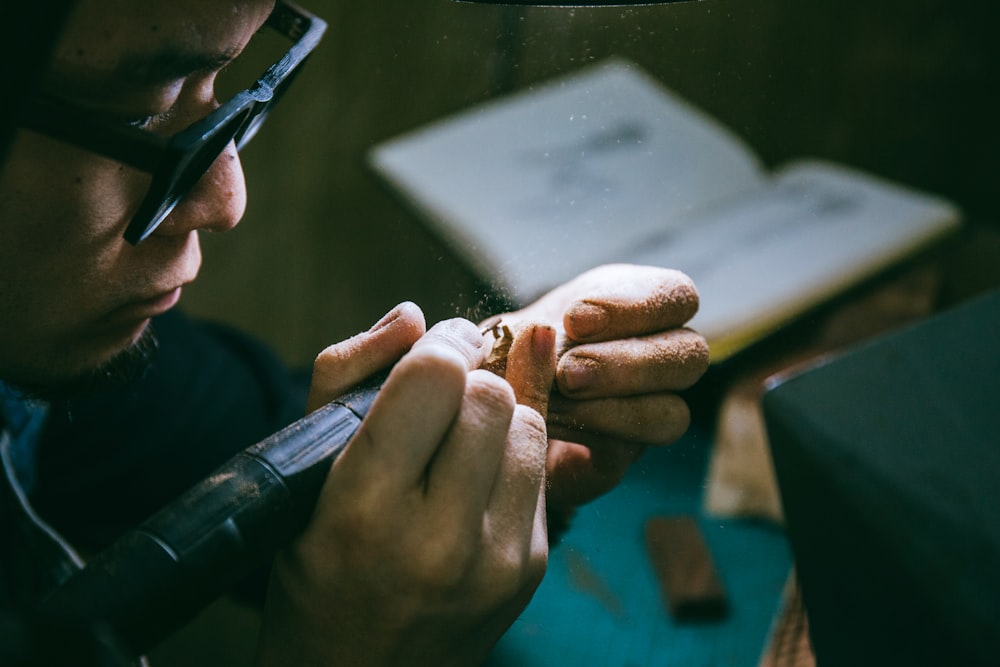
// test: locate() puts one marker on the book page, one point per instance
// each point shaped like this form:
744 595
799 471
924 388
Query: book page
817 229
537 187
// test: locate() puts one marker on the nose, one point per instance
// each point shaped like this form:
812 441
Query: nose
215 203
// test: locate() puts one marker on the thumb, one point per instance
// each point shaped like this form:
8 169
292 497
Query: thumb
343 365
531 365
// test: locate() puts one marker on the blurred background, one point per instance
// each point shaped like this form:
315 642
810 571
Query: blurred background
902 88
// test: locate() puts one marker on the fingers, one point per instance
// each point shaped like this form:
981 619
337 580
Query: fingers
655 419
530 370
417 405
495 451
531 366
345 364
466 464
432 522
518 501
666 361
520 484
621 300
623 352
577 474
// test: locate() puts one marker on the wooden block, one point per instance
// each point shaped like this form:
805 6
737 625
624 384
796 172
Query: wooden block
688 579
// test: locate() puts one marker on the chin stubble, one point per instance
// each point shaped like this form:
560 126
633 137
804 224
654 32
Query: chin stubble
123 368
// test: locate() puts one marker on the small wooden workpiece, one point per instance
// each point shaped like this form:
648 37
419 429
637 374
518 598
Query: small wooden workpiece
499 347
688 579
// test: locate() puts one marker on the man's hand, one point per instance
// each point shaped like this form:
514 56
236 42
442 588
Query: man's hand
429 536
623 353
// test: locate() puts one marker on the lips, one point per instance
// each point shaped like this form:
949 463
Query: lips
158 304
144 308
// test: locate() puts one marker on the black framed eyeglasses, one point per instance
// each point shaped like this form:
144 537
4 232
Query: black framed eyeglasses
176 163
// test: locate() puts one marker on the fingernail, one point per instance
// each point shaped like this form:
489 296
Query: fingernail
577 374
465 330
543 342
587 320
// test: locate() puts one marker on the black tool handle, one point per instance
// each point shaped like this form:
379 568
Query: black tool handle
159 575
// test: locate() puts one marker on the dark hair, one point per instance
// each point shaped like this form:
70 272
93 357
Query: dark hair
28 31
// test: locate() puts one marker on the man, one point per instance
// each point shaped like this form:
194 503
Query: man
430 534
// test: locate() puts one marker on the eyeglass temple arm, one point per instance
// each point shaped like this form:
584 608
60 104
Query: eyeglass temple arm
42 113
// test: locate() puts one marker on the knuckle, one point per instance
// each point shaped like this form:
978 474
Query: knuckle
528 444
490 392
445 561
457 334
439 361
531 423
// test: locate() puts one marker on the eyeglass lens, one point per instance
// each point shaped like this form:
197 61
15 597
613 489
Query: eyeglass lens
188 167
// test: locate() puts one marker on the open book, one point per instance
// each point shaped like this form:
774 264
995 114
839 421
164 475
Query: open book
607 165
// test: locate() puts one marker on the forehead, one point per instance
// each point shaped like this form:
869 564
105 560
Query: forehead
128 41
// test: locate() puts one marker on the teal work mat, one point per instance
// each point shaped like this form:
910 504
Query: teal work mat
600 603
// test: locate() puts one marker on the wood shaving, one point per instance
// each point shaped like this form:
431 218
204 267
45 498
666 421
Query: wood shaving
499 347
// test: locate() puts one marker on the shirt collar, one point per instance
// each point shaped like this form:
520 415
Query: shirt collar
21 420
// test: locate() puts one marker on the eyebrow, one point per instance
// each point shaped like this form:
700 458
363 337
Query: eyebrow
169 64
136 72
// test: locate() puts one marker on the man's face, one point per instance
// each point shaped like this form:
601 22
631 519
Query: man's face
73 293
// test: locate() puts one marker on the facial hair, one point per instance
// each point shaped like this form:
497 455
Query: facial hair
125 367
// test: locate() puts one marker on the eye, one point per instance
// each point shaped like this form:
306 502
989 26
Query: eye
150 122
